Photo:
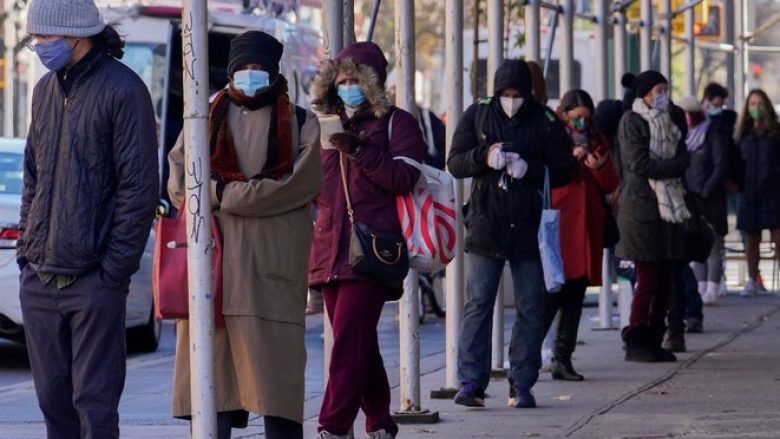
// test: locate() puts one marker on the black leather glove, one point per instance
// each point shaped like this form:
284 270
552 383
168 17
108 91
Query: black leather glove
348 142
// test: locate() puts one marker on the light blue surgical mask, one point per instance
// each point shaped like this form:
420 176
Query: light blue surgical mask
714 111
661 101
250 81
55 55
351 95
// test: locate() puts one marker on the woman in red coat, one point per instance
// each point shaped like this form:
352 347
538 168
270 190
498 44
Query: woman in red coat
583 219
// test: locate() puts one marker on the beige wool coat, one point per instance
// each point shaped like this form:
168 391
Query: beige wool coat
267 229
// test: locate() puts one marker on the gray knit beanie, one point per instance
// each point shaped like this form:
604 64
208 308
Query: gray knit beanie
69 18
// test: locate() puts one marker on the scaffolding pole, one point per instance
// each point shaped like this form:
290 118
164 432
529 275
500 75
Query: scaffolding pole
728 37
690 53
646 36
8 74
621 36
566 55
602 52
199 238
741 54
455 278
533 17
665 39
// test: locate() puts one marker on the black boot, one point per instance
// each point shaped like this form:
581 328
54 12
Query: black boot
637 346
656 338
675 342
565 342
562 369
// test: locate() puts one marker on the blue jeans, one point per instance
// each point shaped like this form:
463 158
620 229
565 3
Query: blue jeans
474 352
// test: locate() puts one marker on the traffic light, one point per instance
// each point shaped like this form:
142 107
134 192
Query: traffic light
710 28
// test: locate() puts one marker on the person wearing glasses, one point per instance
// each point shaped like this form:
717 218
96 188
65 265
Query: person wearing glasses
91 187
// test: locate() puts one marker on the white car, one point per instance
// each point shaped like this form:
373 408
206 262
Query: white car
143 330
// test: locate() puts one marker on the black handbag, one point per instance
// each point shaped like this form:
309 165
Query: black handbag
698 234
377 255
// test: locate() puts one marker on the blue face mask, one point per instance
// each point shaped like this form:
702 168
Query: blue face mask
714 111
55 55
250 81
661 101
351 95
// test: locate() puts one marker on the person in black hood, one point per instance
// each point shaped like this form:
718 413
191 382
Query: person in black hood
506 143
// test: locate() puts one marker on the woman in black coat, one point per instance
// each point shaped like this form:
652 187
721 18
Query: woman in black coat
708 145
758 137
652 209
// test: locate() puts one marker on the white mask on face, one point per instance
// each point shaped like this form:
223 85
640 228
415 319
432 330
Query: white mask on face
511 105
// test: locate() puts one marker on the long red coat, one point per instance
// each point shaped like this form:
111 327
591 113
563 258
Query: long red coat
583 216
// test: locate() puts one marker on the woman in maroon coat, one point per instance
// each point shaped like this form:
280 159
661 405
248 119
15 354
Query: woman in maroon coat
583 219
352 87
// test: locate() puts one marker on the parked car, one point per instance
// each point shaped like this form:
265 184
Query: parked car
143 330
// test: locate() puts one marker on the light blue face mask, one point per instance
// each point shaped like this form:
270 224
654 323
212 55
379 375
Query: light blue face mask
661 101
714 111
55 55
250 81
351 95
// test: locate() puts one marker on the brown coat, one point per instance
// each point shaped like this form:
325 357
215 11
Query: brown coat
267 229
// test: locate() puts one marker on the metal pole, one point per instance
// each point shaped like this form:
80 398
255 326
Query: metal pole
728 37
665 39
646 35
349 22
372 24
10 64
745 15
409 324
602 52
533 18
690 53
333 26
199 239
550 43
566 54
495 19
455 279
621 37
740 67
605 294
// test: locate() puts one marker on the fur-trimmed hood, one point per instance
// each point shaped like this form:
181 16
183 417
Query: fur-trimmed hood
325 99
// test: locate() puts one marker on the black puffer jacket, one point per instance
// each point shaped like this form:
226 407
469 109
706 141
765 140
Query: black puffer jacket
90 172
706 174
759 206
504 224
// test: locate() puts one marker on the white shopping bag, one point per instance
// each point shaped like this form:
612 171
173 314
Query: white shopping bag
427 216
549 242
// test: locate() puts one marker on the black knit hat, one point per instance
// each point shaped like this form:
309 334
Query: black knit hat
646 81
255 47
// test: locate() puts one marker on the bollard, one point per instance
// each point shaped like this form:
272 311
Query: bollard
605 294
625 296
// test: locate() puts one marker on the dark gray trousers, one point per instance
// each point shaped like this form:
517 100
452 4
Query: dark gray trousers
76 343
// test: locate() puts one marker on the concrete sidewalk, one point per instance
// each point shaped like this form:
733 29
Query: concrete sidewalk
726 386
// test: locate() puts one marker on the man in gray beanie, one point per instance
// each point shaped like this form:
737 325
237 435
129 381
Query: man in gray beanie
90 190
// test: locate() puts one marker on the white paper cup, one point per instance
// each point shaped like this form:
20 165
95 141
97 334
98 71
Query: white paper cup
329 124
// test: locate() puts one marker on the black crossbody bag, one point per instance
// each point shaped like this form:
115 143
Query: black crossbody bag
379 256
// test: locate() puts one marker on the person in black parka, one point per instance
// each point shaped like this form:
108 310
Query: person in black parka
758 136
506 143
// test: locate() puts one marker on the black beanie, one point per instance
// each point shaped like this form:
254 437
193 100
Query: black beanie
646 81
255 47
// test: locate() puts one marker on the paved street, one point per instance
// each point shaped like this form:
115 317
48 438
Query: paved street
727 386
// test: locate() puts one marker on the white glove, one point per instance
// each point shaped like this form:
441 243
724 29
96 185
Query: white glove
496 158
516 166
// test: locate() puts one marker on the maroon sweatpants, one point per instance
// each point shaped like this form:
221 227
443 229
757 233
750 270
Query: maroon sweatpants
654 280
357 374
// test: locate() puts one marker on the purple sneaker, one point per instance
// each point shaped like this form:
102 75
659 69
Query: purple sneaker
470 396
521 397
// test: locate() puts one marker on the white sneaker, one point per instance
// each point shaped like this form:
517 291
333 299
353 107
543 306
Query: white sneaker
710 296
326 435
380 434
751 288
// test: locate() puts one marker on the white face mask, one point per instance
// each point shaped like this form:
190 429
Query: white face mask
511 105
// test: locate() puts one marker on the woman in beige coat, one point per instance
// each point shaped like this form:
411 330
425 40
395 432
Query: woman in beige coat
265 168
